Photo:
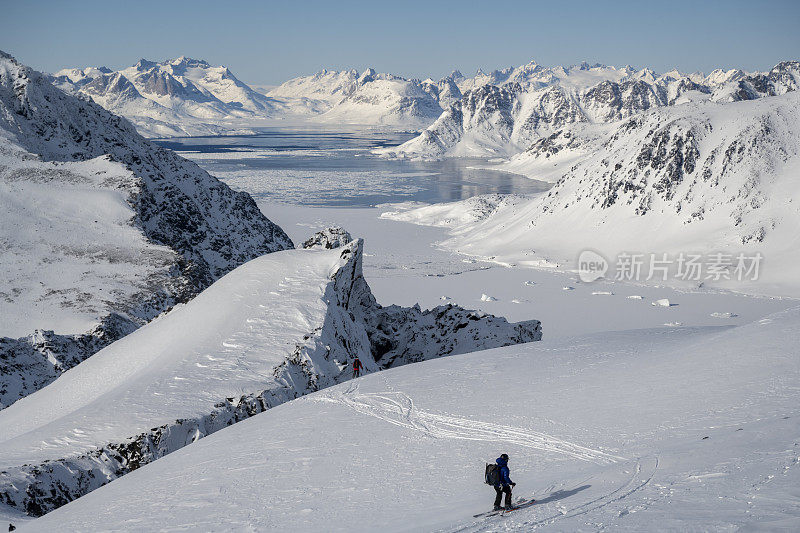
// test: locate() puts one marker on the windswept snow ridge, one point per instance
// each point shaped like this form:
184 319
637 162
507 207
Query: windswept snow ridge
279 327
101 230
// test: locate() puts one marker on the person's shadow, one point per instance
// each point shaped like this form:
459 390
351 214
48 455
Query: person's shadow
561 494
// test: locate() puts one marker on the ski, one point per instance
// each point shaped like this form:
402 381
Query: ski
523 502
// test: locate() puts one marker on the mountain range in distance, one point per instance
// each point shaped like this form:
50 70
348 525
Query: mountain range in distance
184 97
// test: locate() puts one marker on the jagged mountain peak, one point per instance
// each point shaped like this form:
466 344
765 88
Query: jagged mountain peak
144 65
367 76
81 75
673 72
786 65
643 74
788 73
114 83
184 61
180 62
369 97
48 122
585 65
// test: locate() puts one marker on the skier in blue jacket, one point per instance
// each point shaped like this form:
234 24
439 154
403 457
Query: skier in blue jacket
505 483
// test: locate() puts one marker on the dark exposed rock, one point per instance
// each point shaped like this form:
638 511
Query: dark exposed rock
329 238
30 363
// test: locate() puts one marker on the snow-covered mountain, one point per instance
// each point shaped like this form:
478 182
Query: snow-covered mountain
187 96
279 327
329 86
700 177
503 113
101 230
182 96
370 98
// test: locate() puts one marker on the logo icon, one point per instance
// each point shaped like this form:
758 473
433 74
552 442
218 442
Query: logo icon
591 266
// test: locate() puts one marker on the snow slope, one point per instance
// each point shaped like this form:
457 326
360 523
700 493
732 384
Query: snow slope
278 327
101 230
680 429
702 177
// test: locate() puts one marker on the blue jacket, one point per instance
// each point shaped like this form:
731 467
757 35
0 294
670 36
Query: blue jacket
504 472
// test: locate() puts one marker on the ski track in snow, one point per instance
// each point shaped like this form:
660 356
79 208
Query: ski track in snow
622 492
635 483
398 408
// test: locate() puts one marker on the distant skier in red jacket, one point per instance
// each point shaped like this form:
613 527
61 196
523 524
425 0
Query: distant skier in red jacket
357 367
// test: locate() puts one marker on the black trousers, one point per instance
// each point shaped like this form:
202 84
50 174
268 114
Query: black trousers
500 489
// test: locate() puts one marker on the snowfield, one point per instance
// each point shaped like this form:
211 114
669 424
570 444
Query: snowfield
675 430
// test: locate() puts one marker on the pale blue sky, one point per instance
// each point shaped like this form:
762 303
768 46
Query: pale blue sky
269 42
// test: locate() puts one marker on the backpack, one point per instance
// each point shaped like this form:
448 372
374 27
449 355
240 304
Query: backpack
492 476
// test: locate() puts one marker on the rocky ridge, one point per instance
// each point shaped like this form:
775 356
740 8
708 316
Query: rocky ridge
353 325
